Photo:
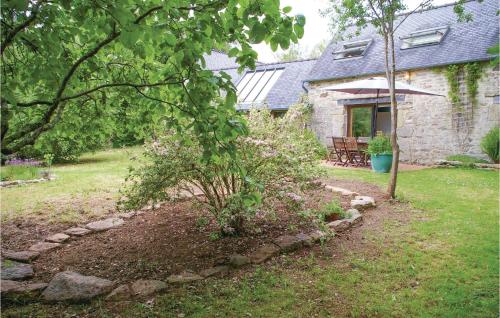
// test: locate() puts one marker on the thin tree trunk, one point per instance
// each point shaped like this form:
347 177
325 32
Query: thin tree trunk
391 189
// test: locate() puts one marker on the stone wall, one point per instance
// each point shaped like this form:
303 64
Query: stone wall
429 127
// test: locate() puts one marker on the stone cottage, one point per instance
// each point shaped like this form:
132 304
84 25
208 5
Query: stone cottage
430 45
427 44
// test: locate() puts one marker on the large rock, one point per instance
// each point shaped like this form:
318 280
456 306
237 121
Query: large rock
264 253
12 270
237 260
305 239
214 271
341 191
77 231
339 225
22 256
13 288
317 235
57 238
288 243
184 277
140 288
43 246
355 216
104 225
362 202
71 286
128 215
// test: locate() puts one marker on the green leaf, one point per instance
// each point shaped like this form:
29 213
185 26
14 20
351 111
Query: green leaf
287 9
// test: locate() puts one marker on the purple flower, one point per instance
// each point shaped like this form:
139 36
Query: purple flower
23 162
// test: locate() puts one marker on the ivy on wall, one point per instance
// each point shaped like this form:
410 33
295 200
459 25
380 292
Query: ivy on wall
472 76
472 73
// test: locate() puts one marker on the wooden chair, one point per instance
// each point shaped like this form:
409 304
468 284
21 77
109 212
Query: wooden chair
356 155
340 151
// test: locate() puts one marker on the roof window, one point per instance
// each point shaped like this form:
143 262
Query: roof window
424 37
352 49
254 86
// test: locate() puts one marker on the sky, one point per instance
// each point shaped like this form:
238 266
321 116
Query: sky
316 28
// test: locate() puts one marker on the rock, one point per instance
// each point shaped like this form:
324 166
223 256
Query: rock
339 225
213 271
317 235
139 288
12 270
57 238
122 292
77 231
355 216
43 246
71 286
104 225
341 191
264 253
305 239
128 215
143 287
10 287
237 260
22 256
288 243
184 277
361 202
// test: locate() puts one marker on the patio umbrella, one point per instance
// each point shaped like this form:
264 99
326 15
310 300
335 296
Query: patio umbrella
377 85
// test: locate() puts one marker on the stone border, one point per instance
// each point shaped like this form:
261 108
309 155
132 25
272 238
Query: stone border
485 166
55 289
5 184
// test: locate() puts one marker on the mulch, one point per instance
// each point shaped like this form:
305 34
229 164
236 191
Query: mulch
158 243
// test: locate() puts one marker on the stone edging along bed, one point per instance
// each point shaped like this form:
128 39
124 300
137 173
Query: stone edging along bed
5 184
71 286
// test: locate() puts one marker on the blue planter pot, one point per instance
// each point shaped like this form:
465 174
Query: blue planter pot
381 163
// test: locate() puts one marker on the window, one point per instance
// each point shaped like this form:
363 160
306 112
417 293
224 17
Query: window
254 86
352 49
424 37
362 118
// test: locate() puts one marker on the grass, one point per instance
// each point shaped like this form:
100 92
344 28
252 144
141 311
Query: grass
10 173
443 263
466 159
82 190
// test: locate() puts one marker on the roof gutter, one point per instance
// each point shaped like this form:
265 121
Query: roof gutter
304 86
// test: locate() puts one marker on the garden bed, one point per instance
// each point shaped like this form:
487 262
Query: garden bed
165 241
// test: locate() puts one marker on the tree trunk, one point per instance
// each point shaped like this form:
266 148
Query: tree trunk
391 72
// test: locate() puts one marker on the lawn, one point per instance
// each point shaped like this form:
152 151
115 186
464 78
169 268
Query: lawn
441 263
82 190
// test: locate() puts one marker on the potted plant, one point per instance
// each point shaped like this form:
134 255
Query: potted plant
380 151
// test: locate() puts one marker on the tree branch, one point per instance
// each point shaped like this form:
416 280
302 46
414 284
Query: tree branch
14 31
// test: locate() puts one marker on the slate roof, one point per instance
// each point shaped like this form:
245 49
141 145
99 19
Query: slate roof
218 60
464 42
288 88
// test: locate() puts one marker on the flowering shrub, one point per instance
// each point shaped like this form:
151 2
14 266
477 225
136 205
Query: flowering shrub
277 157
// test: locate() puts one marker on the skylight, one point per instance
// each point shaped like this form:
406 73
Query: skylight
424 37
254 86
352 49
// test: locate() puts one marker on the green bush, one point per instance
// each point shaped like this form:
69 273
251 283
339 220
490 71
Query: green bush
380 145
277 156
332 207
490 144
